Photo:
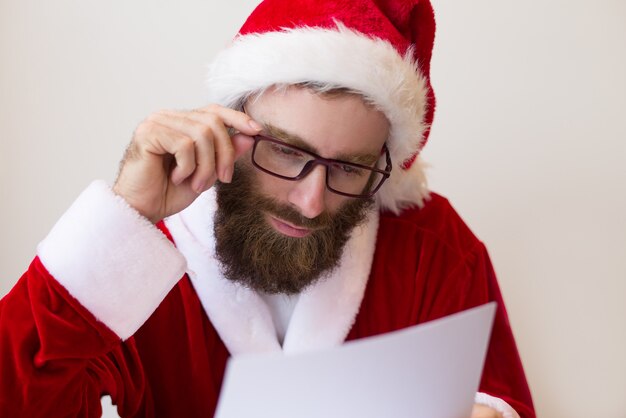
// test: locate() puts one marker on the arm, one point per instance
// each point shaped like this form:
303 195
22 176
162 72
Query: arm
66 328
44 368
62 325
503 384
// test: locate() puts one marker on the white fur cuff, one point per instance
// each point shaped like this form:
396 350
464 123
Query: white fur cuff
498 404
114 261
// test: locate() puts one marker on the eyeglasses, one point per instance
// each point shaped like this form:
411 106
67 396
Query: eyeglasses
289 162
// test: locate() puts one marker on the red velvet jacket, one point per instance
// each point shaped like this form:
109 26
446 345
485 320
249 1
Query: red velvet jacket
57 360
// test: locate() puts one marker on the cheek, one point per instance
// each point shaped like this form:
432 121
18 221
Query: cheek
334 202
271 186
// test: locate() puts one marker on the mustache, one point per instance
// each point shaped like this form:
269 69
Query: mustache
291 215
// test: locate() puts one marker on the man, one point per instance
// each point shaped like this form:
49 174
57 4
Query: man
319 228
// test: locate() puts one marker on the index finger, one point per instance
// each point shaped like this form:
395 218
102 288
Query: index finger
234 119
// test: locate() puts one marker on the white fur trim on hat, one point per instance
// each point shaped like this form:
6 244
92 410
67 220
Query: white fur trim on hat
343 58
498 404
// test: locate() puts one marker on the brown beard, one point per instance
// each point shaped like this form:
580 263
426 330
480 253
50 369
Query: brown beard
252 253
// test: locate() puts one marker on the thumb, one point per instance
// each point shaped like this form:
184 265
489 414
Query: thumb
242 144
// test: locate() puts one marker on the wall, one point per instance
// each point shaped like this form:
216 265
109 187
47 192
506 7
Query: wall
528 143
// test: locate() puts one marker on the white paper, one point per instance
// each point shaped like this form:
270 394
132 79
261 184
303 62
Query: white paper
428 371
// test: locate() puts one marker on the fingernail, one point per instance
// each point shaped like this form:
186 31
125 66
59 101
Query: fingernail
227 176
255 125
199 187
177 180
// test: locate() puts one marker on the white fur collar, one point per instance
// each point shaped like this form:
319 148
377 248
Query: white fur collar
323 314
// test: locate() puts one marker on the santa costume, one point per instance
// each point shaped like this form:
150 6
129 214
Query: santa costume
113 305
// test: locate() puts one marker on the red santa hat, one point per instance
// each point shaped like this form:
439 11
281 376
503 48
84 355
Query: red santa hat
378 48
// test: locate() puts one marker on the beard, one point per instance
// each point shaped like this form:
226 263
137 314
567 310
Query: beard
254 254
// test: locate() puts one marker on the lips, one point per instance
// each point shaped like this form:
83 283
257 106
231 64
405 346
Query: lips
287 228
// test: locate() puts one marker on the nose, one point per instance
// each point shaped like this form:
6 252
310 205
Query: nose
308 194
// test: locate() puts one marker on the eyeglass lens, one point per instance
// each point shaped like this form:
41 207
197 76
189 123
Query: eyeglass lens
287 161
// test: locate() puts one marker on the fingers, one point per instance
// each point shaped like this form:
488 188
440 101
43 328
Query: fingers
241 144
214 151
482 411
220 143
219 118
234 119
155 139
203 138
174 156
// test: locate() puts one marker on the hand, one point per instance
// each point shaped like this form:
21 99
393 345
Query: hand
482 411
174 156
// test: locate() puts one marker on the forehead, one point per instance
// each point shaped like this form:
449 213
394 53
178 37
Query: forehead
341 124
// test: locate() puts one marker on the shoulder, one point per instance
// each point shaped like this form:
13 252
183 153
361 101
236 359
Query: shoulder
427 264
436 223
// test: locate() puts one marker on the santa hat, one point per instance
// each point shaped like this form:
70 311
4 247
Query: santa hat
378 48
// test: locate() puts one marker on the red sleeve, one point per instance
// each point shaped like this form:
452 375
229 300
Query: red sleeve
428 265
503 373
454 273
56 359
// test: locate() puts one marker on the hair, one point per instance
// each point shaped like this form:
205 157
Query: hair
325 90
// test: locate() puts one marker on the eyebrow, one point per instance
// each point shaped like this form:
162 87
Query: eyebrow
278 133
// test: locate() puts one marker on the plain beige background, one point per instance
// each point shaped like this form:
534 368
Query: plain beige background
528 143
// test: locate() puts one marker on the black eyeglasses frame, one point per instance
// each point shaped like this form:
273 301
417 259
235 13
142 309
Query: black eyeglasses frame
318 160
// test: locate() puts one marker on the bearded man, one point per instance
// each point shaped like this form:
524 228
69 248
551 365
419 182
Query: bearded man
292 214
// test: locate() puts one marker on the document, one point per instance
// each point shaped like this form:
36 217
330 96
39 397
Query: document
431 370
